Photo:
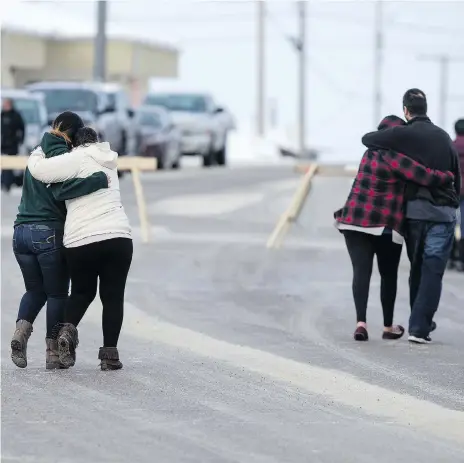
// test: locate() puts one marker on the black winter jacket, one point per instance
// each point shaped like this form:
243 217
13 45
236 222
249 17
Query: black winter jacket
12 129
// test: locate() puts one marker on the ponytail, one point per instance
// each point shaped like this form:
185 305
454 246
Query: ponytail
56 130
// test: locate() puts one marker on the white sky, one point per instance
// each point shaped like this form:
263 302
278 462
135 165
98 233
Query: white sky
217 40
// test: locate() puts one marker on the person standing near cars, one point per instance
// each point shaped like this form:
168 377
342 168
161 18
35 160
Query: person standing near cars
430 212
12 137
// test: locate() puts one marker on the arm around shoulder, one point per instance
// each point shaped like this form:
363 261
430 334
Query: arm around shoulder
384 139
56 169
78 187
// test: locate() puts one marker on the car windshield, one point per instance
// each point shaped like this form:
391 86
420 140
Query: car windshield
178 102
72 99
28 108
150 119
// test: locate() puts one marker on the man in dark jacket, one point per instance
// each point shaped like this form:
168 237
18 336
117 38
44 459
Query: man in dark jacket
12 138
430 212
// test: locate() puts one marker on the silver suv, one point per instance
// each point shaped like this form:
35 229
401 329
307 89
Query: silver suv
203 130
93 104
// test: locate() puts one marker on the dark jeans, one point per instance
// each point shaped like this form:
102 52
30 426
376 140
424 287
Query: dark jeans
362 247
429 247
106 261
40 255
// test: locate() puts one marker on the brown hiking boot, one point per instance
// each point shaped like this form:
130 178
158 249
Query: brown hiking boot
109 357
19 343
68 341
52 359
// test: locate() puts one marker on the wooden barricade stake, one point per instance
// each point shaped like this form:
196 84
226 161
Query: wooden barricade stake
141 205
294 209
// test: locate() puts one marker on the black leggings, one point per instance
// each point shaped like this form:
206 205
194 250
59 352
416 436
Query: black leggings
110 261
362 247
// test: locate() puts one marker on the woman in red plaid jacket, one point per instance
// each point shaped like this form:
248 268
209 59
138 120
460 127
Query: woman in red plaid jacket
372 223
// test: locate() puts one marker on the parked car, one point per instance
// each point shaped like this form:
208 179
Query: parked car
203 132
34 113
157 136
90 101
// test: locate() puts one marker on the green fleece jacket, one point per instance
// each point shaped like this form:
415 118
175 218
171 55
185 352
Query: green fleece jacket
44 204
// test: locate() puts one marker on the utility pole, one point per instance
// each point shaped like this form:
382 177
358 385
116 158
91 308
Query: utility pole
302 63
99 69
261 68
444 82
378 61
444 62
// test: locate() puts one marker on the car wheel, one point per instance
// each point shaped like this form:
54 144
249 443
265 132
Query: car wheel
208 159
176 164
161 163
221 157
123 151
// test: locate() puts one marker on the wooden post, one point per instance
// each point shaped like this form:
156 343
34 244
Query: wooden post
293 210
141 205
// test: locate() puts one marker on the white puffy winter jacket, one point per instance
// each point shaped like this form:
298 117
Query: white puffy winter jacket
95 217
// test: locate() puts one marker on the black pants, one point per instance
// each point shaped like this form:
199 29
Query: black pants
362 247
109 261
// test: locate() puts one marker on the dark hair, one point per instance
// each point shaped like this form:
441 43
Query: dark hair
415 101
390 121
86 136
459 127
9 100
66 125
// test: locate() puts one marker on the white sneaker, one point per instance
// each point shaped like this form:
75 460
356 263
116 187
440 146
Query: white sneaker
417 340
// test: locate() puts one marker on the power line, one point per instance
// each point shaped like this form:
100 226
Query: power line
240 18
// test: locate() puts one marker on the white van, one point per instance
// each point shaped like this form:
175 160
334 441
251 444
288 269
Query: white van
90 101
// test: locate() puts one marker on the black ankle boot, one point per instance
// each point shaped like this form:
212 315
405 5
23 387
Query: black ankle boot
109 357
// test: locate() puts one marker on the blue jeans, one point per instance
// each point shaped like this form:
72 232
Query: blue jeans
429 247
40 254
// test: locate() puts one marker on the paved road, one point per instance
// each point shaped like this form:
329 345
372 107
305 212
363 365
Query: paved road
234 353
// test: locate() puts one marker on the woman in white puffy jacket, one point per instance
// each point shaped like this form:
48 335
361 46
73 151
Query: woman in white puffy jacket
97 240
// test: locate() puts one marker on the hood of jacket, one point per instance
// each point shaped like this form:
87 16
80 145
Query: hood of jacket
101 153
52 145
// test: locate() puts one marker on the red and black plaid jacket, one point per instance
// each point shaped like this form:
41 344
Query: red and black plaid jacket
377 195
